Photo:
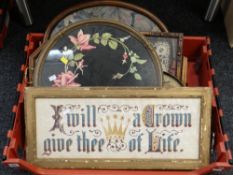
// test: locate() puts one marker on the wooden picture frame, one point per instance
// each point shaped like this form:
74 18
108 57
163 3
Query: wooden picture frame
121 51
184 71
32 63
169 47
116 121
103 3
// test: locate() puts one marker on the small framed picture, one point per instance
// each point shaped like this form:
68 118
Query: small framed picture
169 47
115 128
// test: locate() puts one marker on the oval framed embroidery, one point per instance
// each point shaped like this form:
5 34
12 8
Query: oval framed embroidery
98 53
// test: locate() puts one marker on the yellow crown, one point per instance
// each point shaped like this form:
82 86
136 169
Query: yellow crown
115 131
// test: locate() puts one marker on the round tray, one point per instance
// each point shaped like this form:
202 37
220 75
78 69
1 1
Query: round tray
98 53
126 13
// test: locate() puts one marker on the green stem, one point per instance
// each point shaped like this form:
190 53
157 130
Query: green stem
66 67
128 69
122 44
126 50
77 68
125 47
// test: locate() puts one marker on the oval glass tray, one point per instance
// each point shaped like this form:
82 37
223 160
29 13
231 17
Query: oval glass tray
98 53
126 13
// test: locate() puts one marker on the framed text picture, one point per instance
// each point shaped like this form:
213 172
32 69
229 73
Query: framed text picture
113 128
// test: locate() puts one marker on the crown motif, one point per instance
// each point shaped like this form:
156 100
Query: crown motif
116 129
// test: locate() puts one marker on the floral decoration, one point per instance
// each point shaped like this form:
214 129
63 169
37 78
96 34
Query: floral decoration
81 41
75 58
66 79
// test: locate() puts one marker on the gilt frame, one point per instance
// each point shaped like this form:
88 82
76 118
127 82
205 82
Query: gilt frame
33 94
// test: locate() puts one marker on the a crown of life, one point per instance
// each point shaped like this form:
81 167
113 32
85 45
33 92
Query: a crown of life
115 130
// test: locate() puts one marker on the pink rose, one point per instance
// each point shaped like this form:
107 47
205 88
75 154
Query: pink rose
66 79
82 41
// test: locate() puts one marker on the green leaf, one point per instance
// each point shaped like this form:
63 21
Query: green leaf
104 42
130 53
72 63
139 61
133 59
113 44
117 76
78 56
106 35
133 69
96 36
96 41
137 76
136 56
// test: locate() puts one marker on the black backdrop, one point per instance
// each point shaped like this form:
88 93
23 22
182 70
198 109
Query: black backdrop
179 15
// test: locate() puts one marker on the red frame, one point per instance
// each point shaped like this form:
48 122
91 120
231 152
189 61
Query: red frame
196 49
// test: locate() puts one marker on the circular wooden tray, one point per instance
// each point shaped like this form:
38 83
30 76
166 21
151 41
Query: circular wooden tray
126 13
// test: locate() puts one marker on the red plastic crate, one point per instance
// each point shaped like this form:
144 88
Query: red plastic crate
200 73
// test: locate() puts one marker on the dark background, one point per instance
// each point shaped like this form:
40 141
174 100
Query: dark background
103 62
184 16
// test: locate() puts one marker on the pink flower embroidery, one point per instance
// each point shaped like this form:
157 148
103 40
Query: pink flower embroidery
81 41
66 79
125 57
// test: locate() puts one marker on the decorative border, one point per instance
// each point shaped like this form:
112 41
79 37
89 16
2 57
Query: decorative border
205 94
121 4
